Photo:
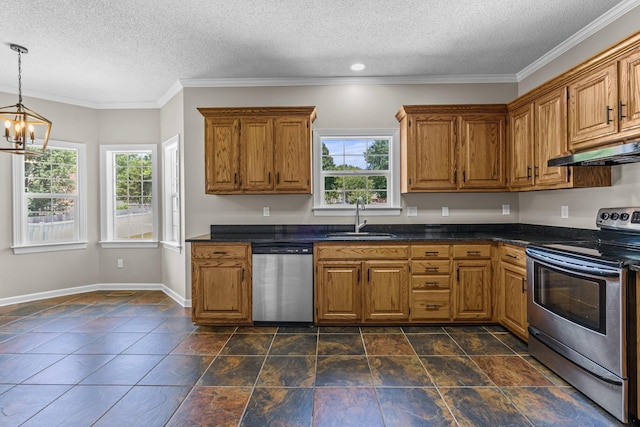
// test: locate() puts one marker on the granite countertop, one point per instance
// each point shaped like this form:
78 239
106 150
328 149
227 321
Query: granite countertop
517 234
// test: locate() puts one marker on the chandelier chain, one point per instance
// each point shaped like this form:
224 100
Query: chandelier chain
19 77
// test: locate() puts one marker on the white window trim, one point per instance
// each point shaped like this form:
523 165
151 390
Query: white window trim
167 206
20 205
106 203
394 208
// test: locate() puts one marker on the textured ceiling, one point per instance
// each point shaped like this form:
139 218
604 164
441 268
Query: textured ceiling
107 53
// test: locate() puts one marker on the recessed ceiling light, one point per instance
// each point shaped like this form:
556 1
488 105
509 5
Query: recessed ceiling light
358 67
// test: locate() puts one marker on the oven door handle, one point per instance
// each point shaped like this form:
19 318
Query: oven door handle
587 365
600 271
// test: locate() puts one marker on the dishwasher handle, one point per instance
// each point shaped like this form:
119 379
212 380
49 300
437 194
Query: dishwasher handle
286 248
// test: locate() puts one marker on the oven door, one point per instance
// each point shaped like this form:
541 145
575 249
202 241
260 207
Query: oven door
579 305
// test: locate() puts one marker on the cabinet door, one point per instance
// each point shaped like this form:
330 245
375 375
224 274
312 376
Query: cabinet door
593 106
221 292
513 281
386 291
521 157
256 140
338 292
550 137
629 104
482 152
222 161
431 148
472 290
292 140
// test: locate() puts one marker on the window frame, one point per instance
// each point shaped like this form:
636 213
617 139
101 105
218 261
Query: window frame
171 176
393 187
106 191
21 210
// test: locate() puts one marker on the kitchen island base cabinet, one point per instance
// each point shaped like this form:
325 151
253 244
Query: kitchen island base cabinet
221 283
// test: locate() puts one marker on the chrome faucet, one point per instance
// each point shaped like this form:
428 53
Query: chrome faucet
358 224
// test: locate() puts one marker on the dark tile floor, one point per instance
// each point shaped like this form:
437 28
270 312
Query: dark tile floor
135 359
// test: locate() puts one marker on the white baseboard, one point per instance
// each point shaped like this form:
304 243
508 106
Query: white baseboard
98 287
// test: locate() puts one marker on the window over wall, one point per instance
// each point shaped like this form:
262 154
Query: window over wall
49 199
171 209
129 214
356 163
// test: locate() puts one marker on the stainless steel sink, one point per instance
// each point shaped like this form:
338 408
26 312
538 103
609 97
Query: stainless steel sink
364 235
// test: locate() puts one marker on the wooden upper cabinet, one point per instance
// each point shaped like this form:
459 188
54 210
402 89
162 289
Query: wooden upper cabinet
629 103
433 144
521 147
221 154
258 150
550 137
593 106
452 147
256 143
293 154
482 151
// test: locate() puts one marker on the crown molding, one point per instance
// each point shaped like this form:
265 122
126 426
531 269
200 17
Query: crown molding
613 14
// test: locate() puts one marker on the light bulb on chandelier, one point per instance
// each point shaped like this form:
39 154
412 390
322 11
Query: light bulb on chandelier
20 122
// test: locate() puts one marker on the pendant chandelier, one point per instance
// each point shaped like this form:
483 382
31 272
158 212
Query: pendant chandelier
21 123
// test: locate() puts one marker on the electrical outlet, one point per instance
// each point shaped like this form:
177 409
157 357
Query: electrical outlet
120 263
412 211
445 211
265 211
506 209
564 211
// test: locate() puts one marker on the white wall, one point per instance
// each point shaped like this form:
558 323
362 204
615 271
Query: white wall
349 106
544 207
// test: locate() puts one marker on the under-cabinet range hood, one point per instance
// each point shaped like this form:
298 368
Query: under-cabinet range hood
617 155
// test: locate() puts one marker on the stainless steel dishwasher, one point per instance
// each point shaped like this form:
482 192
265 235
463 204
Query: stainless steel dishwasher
282 282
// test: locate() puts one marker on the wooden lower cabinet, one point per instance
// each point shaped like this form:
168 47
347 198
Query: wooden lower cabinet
513 290
221 283
386 291
472 290
359 284
338 292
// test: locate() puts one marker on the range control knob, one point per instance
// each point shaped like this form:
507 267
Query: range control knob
604 216
615 216
624 217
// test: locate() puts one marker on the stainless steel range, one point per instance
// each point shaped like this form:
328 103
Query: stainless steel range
582 310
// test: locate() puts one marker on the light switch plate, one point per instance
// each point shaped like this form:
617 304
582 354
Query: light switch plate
506 209
564 211
412 211
445 211
265 211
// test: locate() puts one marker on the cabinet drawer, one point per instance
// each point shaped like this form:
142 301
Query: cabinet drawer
430 267
217 251
472 251
430 305
361 252
513 255
430 251
424 282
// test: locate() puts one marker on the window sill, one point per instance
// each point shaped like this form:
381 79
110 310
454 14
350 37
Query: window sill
351 211
48 247
114 244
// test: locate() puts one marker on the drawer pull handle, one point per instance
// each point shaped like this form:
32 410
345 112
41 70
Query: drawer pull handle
219 253
432 306
436 284
473 252
511 256
431 268
430 253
